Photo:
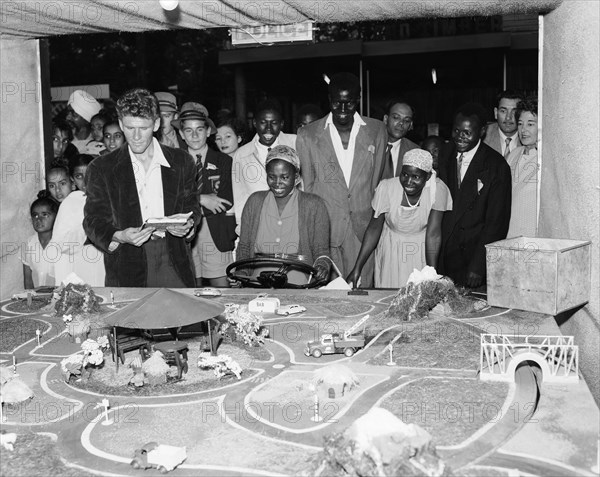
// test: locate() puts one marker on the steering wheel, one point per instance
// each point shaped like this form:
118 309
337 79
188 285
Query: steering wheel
275 278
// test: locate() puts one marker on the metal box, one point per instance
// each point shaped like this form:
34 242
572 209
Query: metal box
538 274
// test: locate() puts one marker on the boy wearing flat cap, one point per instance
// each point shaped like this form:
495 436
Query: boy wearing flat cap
167 135
213 246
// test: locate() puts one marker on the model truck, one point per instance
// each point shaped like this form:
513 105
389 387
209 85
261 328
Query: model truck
346 342
160 456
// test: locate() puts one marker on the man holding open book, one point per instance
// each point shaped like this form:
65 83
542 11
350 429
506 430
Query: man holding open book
142 208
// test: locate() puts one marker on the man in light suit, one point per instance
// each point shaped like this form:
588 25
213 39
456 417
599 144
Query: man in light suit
141 180
398 121
341 158
502 135
479 180
248 169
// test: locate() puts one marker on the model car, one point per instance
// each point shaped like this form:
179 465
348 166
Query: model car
159 456
290 309
333 343
207 292
347 342
264 304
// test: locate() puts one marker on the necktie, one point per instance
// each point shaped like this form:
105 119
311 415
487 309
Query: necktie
458 168
388 159
199 175
507 149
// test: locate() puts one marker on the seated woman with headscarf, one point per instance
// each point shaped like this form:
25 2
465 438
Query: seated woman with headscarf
284 219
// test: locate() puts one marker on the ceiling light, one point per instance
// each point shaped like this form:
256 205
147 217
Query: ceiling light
169 4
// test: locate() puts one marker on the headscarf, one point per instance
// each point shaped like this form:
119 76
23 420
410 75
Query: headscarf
422 159
284 153
418 158
287 154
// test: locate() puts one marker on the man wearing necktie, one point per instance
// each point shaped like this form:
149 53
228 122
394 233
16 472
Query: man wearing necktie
502 135
212 249
479 180
398 121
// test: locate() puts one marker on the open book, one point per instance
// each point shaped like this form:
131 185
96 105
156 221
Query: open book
161 223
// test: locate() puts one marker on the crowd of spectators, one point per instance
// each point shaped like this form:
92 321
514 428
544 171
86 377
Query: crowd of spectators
352 195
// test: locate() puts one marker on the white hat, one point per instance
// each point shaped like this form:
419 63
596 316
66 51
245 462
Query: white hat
418 158
84 104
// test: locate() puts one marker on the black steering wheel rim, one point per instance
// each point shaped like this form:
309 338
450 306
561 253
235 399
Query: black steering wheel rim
270 279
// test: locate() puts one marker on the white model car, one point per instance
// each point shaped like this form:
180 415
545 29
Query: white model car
290 309
263 304
207 292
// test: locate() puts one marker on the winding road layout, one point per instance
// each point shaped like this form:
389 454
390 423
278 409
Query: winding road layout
238 411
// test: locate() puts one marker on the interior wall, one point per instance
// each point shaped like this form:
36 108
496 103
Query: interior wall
21 153
570 187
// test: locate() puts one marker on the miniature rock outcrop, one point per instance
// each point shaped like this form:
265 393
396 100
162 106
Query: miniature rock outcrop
424 291
13 389
379 444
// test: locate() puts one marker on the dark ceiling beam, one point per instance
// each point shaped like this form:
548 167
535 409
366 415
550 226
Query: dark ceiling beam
437 44
517 41
290 52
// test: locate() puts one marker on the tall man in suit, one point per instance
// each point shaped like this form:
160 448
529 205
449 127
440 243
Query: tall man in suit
502 135
479 180
398 121
213 246
341 158
142 180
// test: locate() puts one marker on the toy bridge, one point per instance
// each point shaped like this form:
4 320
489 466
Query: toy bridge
557 356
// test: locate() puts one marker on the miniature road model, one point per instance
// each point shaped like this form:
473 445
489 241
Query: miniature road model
290 309
334 343
160 456
207 292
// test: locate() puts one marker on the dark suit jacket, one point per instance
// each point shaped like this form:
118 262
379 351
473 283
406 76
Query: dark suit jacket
216 178
112 204
492 138
349 207
481 211
405 146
